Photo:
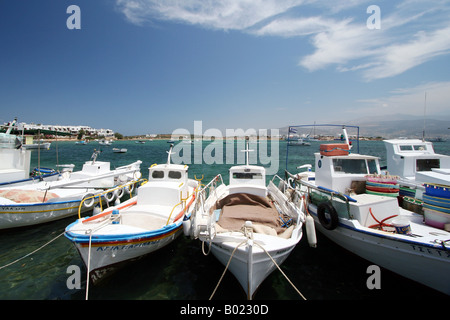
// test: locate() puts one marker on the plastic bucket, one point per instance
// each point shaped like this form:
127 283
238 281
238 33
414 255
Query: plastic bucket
401 225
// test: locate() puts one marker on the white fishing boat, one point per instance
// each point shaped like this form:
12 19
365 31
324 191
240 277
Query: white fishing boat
46 201
420 170
372 226
249 227
139 226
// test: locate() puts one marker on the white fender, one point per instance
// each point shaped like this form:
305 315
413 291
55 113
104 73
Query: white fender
311 231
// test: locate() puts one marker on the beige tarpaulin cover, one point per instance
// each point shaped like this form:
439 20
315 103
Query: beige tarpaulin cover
240 207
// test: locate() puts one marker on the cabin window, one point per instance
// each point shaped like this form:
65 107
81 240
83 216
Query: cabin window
246 175
427 164
354 166
406 148
420 147
372 165
174 174
158 174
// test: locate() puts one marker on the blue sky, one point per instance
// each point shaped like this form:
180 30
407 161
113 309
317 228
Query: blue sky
148 66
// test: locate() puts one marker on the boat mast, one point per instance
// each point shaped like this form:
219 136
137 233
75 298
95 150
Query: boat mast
247 151
11 125
170 153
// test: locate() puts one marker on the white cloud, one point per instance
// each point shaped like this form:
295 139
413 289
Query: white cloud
410 101
412 32
398 58
218 14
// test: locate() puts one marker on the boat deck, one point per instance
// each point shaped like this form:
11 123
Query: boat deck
237 208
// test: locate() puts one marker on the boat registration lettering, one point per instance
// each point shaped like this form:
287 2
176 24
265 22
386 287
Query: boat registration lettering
440 253
127 246
11 208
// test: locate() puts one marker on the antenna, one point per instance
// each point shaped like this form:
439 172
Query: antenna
170 153
424 111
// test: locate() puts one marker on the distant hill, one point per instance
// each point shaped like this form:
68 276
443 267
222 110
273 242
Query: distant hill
396 126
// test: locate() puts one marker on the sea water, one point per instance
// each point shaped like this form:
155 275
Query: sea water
180 271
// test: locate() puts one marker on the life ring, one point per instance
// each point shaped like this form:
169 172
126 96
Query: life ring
137 175
89 202
129 189
327 216
120 192
111 196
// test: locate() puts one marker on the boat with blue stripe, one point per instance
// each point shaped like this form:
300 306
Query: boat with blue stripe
79 191
375 227
139 226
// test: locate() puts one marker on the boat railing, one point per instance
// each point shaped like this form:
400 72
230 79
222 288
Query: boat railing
307 188
127 187
294 195
209 188
183 205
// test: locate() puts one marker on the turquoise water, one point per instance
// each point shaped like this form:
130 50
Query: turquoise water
181 271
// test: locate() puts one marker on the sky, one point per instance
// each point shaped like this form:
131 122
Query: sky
154 66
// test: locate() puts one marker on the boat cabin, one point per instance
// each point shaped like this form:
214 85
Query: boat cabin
167 185
92 169
344 172
248 179
414 159
14 161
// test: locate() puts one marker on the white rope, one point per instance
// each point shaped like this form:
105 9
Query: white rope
29 254
226 267
88 266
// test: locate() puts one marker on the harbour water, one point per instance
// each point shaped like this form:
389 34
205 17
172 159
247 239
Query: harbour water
181 271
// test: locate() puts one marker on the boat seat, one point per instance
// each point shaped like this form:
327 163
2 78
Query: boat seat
143 220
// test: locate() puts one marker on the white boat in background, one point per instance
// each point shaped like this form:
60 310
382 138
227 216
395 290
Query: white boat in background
46 201
105 142
415 162
373 226
40 145
139 226
420 170
15 162
120 150
248 225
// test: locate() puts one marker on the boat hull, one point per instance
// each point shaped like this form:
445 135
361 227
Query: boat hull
103 255
250 264
21 215
427 264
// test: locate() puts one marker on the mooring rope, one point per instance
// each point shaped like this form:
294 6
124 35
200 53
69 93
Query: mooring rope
29 254
281 270
226 268
88 267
